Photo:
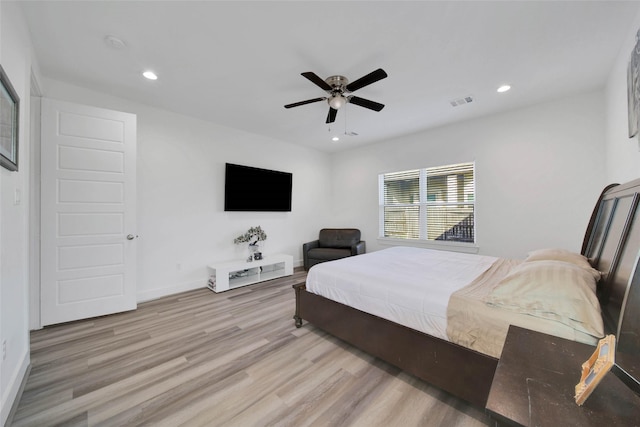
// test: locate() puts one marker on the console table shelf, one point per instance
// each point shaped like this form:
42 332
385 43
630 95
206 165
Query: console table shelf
234 274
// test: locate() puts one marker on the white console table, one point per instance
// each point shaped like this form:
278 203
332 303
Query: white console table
234 274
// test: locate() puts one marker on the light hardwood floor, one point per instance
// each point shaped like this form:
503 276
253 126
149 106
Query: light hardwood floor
230 359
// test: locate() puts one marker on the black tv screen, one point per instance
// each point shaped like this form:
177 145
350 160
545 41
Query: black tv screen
256 190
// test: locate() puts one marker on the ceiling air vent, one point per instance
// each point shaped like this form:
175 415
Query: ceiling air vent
462 101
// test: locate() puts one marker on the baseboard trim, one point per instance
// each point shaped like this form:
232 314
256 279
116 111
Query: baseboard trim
163 292
15 390
184 287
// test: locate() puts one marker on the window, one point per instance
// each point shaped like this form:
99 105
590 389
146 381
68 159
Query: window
435 204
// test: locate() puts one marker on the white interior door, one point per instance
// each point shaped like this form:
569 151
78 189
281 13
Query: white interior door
88 212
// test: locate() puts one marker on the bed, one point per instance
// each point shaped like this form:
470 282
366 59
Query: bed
451 336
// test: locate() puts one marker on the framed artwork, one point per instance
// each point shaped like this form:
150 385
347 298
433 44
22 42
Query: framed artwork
9 110
594 369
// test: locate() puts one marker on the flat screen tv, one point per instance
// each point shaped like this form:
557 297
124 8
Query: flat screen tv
252 189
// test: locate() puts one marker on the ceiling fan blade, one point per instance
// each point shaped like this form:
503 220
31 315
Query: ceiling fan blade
308 101
372 105
331 117
313 77
372 77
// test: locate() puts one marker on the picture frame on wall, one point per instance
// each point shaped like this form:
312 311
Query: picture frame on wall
633 88
9 120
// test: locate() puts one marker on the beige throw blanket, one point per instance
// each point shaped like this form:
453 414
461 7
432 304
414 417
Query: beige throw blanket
475 325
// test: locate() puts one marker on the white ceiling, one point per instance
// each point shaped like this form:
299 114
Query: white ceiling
238 63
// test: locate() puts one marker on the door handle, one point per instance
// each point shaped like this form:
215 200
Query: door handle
131 236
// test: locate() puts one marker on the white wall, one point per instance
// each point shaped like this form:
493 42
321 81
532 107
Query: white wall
181 220
539 171
623 153
15 58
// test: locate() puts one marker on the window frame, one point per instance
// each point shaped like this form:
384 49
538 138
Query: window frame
424 203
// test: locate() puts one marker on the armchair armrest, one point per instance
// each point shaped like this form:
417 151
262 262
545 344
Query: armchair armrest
359 248
310 245
305 251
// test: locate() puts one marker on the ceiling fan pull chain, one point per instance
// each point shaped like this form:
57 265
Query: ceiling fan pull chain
345 119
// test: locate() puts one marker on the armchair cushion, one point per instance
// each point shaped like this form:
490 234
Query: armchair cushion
327 254
338 237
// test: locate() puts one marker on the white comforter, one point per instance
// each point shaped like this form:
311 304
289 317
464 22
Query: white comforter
426 279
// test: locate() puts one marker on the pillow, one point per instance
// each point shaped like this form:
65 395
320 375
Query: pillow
554 290
563 255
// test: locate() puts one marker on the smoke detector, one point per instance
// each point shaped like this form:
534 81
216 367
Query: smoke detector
114 42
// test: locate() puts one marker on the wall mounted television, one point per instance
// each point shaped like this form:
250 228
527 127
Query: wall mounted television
250 189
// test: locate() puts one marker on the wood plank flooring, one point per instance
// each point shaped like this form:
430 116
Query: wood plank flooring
230 359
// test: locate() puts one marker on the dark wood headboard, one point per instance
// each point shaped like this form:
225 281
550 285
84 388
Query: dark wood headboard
612 244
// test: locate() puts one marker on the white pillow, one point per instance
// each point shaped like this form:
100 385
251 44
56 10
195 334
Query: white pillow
554 290
563 255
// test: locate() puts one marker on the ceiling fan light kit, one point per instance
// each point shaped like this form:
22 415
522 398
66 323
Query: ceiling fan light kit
337 100
338 89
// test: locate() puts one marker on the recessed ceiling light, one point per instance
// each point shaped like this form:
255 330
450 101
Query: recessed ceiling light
335 139
150 75
504 88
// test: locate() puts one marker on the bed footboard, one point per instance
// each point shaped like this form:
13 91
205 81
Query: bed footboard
462 372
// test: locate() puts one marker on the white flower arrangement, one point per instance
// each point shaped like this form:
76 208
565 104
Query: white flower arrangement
252 236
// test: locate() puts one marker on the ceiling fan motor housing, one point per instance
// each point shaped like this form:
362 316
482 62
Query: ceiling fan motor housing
338 83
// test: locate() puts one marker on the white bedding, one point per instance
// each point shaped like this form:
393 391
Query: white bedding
427 278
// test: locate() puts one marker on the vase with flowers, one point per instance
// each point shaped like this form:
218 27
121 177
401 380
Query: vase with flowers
253 237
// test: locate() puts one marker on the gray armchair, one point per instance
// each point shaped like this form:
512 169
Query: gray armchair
332 243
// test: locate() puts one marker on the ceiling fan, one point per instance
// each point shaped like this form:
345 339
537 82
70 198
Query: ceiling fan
338 89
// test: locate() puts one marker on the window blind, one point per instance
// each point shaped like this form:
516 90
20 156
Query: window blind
431 203
402 204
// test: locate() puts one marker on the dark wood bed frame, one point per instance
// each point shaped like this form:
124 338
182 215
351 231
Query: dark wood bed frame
611 242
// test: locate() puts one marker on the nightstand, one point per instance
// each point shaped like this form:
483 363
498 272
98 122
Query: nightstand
534 385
